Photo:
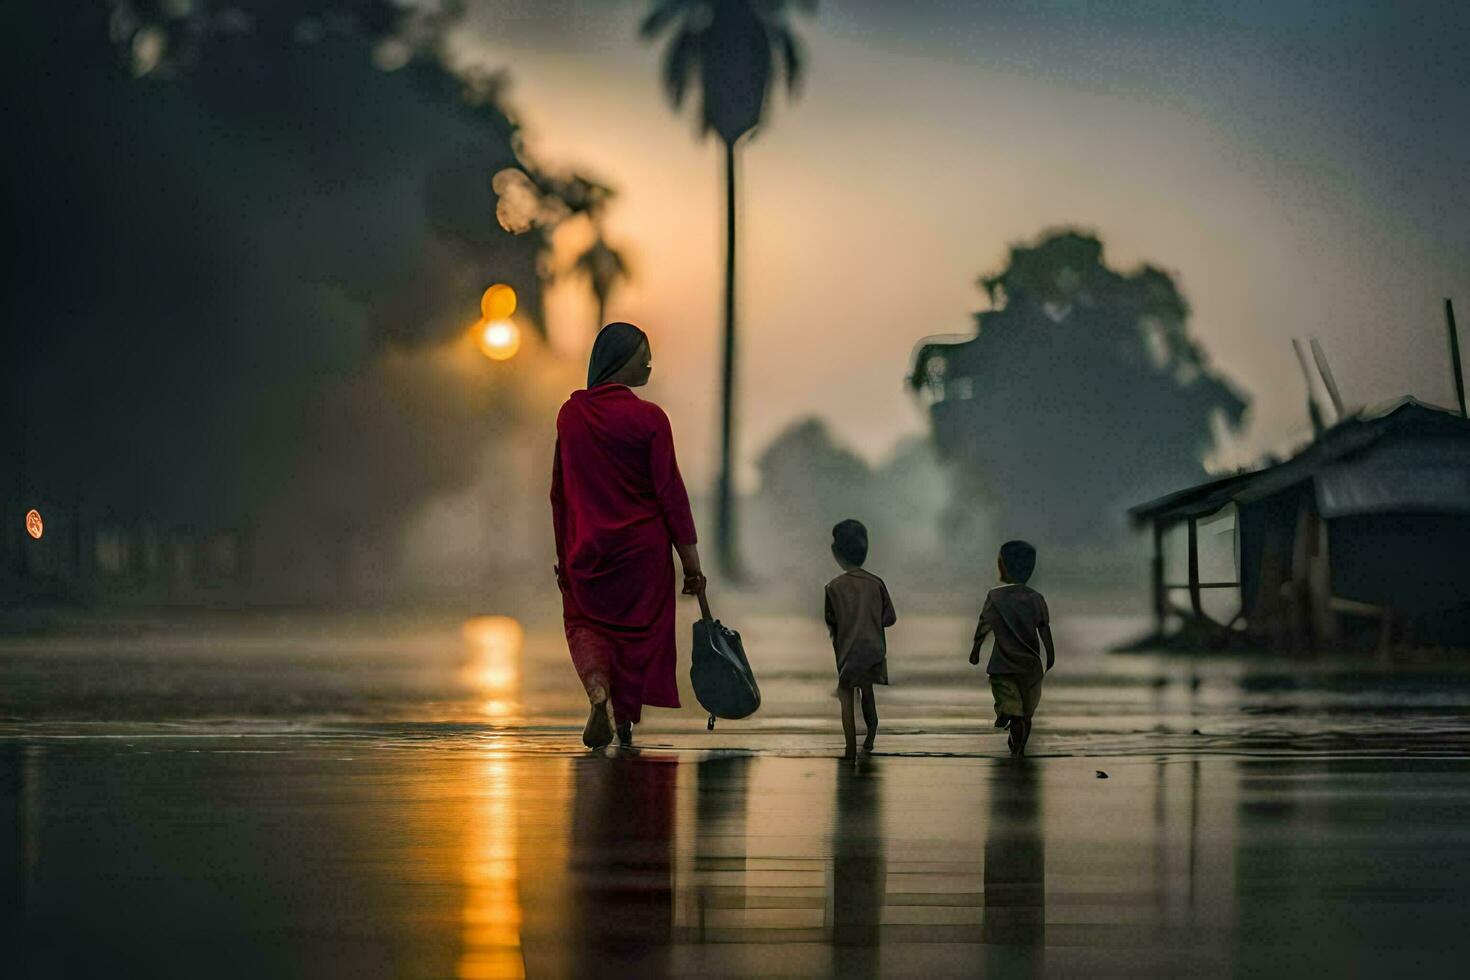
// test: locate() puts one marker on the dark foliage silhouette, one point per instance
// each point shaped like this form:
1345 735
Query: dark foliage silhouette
1082 392
265 200
604 268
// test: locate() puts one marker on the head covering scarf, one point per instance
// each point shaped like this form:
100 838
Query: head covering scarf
616 345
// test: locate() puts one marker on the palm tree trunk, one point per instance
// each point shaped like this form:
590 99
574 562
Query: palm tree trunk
725 547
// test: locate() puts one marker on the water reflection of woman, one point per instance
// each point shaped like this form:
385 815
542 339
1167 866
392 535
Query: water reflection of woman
618 503
622 866
720 844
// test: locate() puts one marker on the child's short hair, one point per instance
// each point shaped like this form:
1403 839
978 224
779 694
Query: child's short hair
850 541
1019 559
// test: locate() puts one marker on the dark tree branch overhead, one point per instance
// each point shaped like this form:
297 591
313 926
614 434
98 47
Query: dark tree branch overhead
268 204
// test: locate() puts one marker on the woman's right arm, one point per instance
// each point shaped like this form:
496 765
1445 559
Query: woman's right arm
694 580
673 501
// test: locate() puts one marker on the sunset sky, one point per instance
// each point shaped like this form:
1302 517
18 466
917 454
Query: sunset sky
1302 168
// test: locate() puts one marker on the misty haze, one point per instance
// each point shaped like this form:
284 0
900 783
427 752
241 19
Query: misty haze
502 488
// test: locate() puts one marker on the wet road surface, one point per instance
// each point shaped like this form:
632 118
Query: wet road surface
411 800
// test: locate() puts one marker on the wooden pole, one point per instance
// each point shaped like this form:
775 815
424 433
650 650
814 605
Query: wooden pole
1449 316
1313 412
1320 356
1161 607
725 546
1194 597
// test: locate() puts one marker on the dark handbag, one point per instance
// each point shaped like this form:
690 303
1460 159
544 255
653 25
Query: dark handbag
719 672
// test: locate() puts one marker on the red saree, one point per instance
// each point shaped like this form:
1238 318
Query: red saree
618 505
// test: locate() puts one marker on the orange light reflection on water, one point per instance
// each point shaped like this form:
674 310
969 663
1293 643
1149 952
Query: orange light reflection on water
491 919
494 669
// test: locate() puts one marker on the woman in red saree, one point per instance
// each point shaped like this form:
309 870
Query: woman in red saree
618 505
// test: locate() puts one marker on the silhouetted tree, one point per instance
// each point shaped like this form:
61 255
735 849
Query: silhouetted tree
604 267
809 481
269 204
735 50
531 197
1082 392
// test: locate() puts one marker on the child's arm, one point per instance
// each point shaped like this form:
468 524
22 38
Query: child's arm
889 615
981 630
828 614
1044 628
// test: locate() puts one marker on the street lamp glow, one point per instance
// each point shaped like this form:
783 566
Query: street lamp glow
498 302
35 527
499 339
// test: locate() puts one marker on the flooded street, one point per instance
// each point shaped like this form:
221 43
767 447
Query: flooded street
379 797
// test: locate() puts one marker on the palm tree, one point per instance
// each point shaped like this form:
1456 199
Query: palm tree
735 49
604 267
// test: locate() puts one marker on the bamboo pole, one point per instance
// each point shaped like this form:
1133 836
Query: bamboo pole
1161 607
1449 316
1194 593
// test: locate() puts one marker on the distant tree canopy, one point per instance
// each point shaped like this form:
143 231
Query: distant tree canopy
809 482
1081 393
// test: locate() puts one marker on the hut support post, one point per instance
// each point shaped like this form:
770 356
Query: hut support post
1161 599
1194 596
1385 635
1449 317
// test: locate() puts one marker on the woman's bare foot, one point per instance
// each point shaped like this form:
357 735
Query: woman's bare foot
625 735
598 732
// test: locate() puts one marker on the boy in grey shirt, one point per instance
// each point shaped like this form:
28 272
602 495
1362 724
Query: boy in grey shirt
1017 615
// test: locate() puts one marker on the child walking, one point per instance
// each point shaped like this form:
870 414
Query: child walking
858 610
1017 615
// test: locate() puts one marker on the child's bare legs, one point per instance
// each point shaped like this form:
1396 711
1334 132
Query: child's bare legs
870 716
1020 731
849 726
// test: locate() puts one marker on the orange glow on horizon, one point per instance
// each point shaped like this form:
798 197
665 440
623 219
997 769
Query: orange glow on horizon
35 527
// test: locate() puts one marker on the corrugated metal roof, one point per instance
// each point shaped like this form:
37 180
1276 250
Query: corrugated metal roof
1343 491
1432 475
1195 501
